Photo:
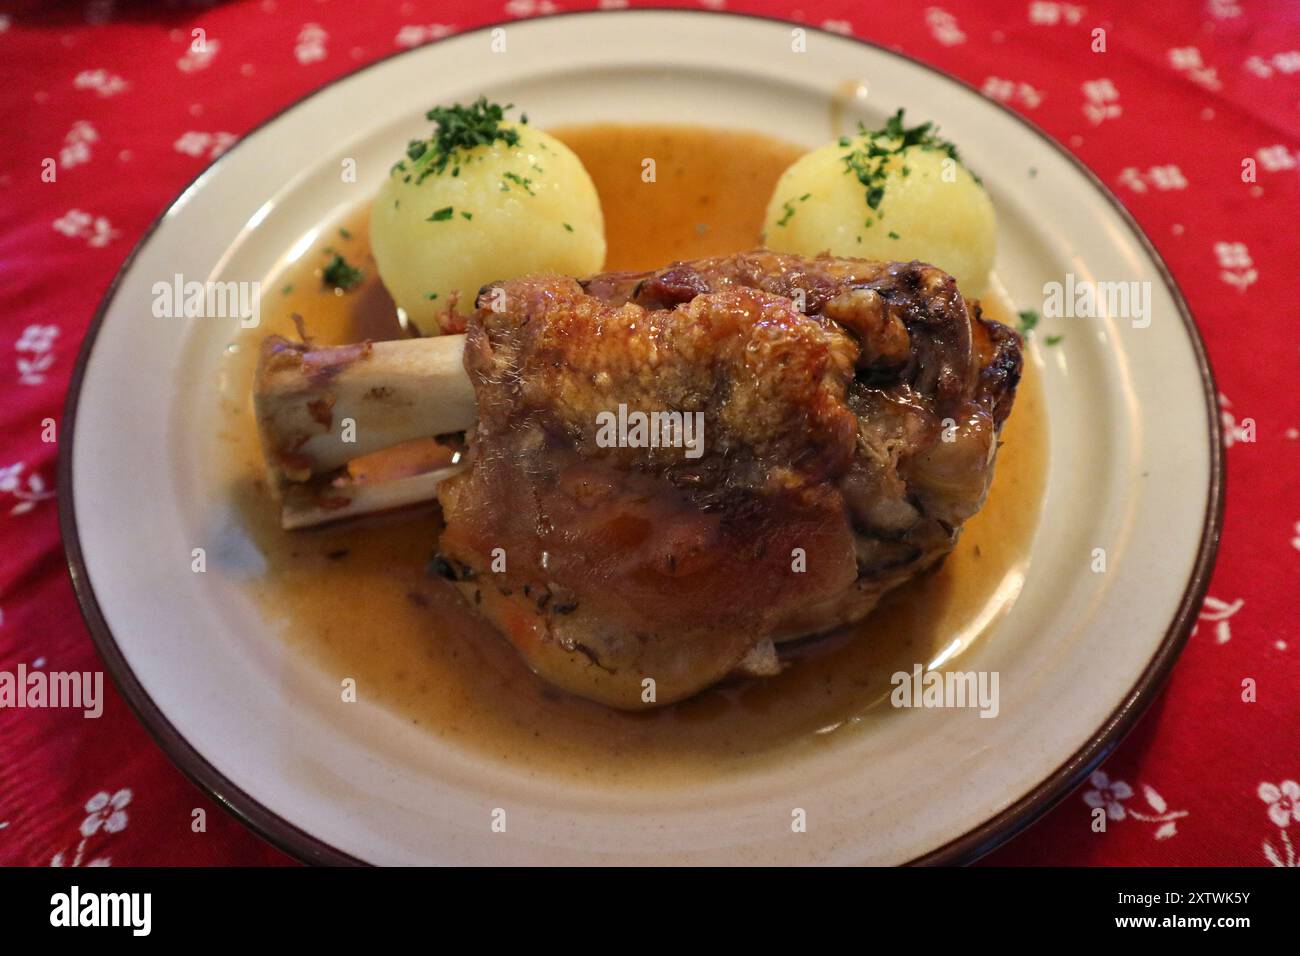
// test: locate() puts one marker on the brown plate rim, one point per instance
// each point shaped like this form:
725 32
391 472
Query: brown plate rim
973 844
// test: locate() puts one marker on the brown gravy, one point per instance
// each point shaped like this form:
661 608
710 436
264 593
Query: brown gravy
358 599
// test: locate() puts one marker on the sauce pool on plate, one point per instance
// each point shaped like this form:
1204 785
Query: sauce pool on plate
359 599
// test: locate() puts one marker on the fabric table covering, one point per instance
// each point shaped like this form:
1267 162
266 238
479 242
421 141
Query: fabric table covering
1191 115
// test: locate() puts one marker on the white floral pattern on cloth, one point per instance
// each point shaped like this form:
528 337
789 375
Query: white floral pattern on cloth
1285 62
199 56
1283 801
1161 178
1295 541
1219 613
415 34
105 814
944 27
1012 92
1111 795
1048 14
96 230
1223 9
1102 101
195 143
35 348
1276 158
311 44
1187 60
1236 267
76 144
530 8
101 81
28 493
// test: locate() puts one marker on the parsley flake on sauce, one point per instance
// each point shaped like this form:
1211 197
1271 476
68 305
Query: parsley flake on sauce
341 274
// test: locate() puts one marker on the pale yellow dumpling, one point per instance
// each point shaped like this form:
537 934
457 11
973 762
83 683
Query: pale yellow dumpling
454 219
927 206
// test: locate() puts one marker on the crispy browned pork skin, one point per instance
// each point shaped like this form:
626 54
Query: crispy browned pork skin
827 386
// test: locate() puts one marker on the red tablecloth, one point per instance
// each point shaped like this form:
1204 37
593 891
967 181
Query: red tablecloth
1186 96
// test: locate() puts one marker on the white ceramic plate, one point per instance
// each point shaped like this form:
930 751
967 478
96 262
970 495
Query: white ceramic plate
1134 468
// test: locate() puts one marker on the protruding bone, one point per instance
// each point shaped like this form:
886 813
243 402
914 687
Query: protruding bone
305 507
320 407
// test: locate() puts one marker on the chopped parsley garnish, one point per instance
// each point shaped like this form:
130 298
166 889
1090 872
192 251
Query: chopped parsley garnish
518 180
1055 339
344 234
568 227
1028 319
893 235
873 150
431 296
286 290
458 130
788 206
466 215
441 215
341 274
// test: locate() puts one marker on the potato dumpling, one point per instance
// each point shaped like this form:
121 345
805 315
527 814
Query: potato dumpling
481 199
890 194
